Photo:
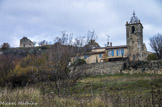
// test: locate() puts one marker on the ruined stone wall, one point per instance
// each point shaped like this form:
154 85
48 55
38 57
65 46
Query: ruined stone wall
151 67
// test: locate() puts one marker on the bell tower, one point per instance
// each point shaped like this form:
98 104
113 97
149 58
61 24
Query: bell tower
134 38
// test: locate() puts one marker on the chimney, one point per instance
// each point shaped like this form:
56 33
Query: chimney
110 44
107 43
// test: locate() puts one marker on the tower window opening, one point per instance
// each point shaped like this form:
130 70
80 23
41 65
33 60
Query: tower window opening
133 29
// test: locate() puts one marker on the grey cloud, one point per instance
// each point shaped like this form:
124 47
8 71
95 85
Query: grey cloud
45 19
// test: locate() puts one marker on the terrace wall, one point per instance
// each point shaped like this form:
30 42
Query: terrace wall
116 67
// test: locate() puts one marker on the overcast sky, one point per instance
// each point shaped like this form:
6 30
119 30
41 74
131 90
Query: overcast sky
45 19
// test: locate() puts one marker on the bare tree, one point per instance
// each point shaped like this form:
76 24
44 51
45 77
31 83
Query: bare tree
156 45
91 36
42 43
34 43
91 41
65 39
59 56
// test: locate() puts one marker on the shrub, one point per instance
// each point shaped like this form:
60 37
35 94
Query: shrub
152 57
79 62
5 46
27 71
44 47
7 65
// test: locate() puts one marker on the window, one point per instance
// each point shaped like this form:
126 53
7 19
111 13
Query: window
111 53
133 29
85 56
100 55
120 52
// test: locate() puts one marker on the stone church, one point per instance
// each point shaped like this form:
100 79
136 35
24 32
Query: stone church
134 50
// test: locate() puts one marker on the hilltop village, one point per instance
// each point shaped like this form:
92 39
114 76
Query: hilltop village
68 74
134 50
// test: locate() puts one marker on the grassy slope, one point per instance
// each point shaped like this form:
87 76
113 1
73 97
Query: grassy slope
95 91
137 83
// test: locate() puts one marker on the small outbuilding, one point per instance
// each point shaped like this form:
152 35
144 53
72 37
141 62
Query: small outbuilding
25 42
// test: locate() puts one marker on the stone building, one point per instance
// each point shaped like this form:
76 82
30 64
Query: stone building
134 50
25 42
134 37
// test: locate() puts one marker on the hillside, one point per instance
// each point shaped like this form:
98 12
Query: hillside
22 52
120 90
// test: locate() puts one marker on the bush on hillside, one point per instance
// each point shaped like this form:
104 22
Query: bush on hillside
7 65
152 57
5 46
78 62
21 72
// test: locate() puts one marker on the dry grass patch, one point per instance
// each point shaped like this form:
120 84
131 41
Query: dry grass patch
20 95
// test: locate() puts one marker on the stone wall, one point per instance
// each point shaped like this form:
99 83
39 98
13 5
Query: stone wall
100 68
151 67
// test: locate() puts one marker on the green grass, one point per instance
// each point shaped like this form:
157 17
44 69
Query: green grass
122 82
103 90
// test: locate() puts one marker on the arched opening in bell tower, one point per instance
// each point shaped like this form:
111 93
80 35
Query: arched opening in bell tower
133 29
